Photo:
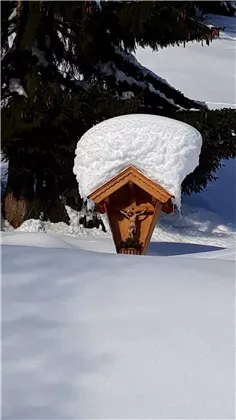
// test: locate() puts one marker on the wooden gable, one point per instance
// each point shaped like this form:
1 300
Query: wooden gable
132 174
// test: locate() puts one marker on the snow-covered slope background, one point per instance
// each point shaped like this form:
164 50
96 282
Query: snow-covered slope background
206 74
89 335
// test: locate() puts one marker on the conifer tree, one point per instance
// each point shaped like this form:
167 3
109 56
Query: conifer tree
45 110
224 8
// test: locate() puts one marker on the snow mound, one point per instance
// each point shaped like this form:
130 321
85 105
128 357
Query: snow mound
95 336
163 149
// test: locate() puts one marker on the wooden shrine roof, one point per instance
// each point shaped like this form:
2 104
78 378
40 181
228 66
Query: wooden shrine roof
134 175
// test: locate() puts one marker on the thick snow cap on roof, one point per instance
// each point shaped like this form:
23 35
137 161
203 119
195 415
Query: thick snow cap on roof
163 149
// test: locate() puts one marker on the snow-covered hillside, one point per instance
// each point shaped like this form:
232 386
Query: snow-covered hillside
87 334
203 73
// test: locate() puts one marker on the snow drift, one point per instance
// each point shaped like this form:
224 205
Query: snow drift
163 149
88 335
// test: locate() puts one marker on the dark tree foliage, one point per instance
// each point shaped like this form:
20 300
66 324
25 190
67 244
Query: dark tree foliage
218 129
224 8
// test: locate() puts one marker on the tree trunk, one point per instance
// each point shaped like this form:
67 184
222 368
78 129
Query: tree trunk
51 207
18 204
56 212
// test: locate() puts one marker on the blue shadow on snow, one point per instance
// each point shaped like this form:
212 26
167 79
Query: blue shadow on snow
175 248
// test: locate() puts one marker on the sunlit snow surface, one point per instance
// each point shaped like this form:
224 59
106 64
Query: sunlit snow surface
90 335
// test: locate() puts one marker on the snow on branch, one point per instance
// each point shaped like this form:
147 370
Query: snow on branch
13 15
126 70
40 56
16 86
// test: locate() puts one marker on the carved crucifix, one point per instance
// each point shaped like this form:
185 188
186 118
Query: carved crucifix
132 215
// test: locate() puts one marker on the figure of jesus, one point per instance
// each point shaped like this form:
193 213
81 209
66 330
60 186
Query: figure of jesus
131 215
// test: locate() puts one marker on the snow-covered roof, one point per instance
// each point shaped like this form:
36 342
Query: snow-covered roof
163 149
